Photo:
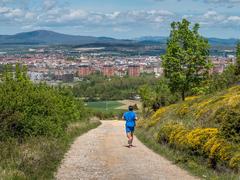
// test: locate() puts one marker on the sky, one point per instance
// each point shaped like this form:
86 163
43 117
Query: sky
120 18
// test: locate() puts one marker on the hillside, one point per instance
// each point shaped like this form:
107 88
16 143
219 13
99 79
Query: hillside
43 37
206 128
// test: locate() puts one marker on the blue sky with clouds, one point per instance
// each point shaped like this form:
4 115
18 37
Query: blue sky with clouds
120 18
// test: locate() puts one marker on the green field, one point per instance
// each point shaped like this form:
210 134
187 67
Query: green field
104 105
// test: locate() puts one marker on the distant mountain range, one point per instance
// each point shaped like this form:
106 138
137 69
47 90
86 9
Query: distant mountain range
43 37
212 41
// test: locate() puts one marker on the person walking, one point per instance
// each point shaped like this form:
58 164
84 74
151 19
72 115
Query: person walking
130 117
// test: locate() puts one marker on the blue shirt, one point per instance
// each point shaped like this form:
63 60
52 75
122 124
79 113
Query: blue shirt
130 118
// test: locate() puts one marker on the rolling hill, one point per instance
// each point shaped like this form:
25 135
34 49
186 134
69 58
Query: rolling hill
202 131
43 37
212 41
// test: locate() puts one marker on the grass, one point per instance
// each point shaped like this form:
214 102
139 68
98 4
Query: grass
104 105
107 115
196 166
38 157
106 109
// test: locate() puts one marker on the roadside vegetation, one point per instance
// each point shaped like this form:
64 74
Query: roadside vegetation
38 124
191 115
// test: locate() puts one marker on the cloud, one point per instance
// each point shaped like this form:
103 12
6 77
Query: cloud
213 19
228 3
223 1
120 29
51 14
234 20
15 2
49 4
11 13
65 17
212 1
3 10
6 1
118 21
213 16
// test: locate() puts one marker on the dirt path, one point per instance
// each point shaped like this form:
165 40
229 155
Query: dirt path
101 154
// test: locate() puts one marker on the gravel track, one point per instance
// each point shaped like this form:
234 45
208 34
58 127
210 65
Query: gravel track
102 154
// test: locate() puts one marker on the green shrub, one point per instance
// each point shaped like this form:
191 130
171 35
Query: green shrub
27 109
222 81
229 120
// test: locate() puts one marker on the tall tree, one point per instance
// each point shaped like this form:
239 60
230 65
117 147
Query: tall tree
186 61
238 58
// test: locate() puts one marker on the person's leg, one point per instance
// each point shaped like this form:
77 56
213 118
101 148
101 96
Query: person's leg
132 131
127 133
129 136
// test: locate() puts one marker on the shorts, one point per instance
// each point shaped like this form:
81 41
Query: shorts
129 129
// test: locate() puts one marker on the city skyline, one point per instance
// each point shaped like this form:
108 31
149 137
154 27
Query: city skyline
119 19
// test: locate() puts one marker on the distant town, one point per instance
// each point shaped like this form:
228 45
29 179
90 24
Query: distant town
56 66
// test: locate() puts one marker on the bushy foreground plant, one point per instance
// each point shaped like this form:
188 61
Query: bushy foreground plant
27 109
201 141
229 120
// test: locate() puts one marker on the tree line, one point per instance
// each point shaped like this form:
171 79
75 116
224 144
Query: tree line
96 87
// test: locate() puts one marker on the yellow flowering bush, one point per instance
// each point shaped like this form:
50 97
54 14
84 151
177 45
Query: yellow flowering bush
235 162
165 131
198 137
159 113
177 137
218 147
229 123
183 110
229 99
156 117
190 98
204 141
200 108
